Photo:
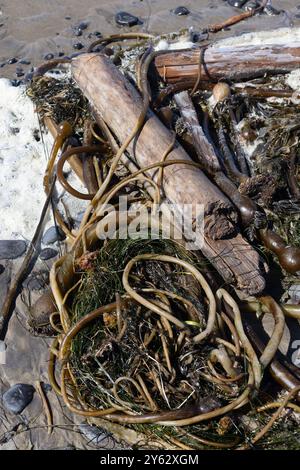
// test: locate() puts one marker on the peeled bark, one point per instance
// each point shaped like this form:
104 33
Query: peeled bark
119 105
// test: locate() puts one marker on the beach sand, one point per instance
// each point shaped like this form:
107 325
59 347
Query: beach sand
30 29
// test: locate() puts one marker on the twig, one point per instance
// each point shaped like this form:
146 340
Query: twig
46 406
25 268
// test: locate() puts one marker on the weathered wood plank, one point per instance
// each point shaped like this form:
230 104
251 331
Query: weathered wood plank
231 63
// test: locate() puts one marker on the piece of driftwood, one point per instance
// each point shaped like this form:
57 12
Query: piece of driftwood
119 105
227 63
205 150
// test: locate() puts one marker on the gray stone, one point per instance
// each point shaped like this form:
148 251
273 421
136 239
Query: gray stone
126 19
250 6
12 249
18 397
237 3
48 253
181 11
52 235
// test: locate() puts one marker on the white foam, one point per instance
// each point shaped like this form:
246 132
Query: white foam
22 165
278 36
293 80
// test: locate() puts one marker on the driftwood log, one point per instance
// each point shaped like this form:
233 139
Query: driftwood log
227 63
119 104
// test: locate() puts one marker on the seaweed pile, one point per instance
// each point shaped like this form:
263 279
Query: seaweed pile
147 336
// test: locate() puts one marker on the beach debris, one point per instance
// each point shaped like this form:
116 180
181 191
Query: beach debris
46 405
48 253
126 19
97 436
24 62
78 46
82 25
146 332
18 397
52 235
37 280
221 91
20 72
236 3
12 249
181 11
49 56
252 5
220 216
41 310
12 60
271 11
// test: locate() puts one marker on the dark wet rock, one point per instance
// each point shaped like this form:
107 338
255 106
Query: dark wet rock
2 268
181 11
49 56
52 235
24 62
271 11
96 435
237 3
83 25
14 130
78 46
2 65
19 72
12 249
16 82
36 135
18 397
67 17
78 32
48 253
12 60
250 6
61 54
95 34
126 19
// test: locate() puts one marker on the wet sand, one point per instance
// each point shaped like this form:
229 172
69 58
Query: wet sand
31 29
